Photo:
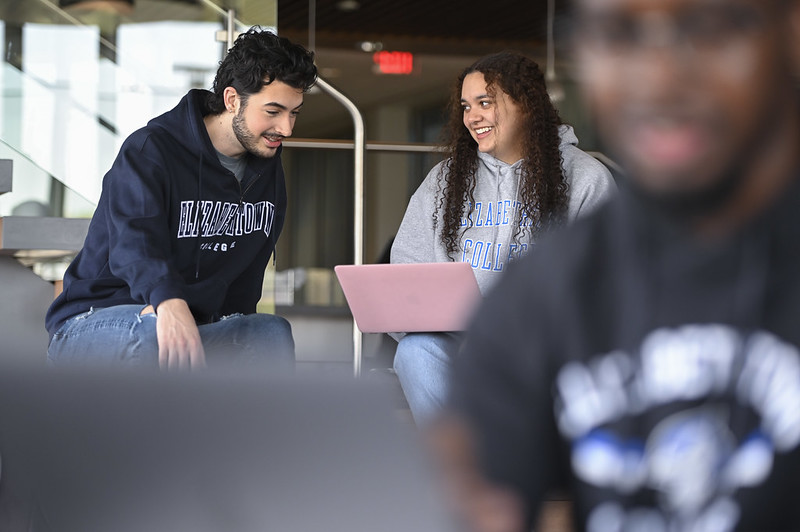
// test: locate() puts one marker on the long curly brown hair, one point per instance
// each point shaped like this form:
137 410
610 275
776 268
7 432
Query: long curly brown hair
543 188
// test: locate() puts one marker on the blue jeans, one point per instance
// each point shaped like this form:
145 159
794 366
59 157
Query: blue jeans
120 336
422 363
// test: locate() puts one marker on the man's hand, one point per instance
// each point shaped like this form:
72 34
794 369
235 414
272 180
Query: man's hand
179 345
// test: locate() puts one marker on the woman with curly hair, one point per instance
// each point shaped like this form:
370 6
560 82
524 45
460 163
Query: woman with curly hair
512 171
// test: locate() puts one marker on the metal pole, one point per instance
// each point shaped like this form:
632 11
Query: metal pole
551 63
228 36
312 25
231 28
358 191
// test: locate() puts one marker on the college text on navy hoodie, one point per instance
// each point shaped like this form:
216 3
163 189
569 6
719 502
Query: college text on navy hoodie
172 222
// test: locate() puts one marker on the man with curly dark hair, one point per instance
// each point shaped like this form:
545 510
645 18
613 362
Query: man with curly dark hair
173 264
512 171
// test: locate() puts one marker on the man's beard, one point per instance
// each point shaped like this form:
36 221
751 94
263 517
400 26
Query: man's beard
252 143
692 203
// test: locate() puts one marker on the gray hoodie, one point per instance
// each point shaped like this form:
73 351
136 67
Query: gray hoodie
488 241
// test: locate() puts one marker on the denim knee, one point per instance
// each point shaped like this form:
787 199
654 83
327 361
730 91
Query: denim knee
249 339
423 350
266 328
422 364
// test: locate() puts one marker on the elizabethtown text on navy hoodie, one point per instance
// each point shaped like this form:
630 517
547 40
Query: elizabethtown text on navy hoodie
172 222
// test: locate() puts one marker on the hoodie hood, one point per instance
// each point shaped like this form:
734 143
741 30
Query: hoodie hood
493 162
184 123
185 126
567 136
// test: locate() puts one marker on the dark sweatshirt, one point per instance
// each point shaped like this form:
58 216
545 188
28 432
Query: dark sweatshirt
654 375
172 222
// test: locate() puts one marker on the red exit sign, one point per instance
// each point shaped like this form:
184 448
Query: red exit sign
394 62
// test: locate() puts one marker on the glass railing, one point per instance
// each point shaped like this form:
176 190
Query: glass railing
32 193
59 136
70 93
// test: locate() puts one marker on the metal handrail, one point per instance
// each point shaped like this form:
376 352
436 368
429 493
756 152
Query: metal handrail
414 147
359 146
229 14
408 147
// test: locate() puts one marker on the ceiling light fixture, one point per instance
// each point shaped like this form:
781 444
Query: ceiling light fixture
370 46
348 6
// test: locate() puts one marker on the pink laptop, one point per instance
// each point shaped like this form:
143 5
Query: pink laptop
438 296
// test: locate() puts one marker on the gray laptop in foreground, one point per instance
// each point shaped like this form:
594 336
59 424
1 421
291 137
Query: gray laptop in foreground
113 452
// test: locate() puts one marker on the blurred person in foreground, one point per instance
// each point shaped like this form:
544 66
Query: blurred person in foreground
173 264
646 360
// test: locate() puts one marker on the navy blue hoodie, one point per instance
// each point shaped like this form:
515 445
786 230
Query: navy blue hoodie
172 222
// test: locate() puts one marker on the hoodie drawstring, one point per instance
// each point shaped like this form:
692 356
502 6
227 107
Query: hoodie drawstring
199 197
272 229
